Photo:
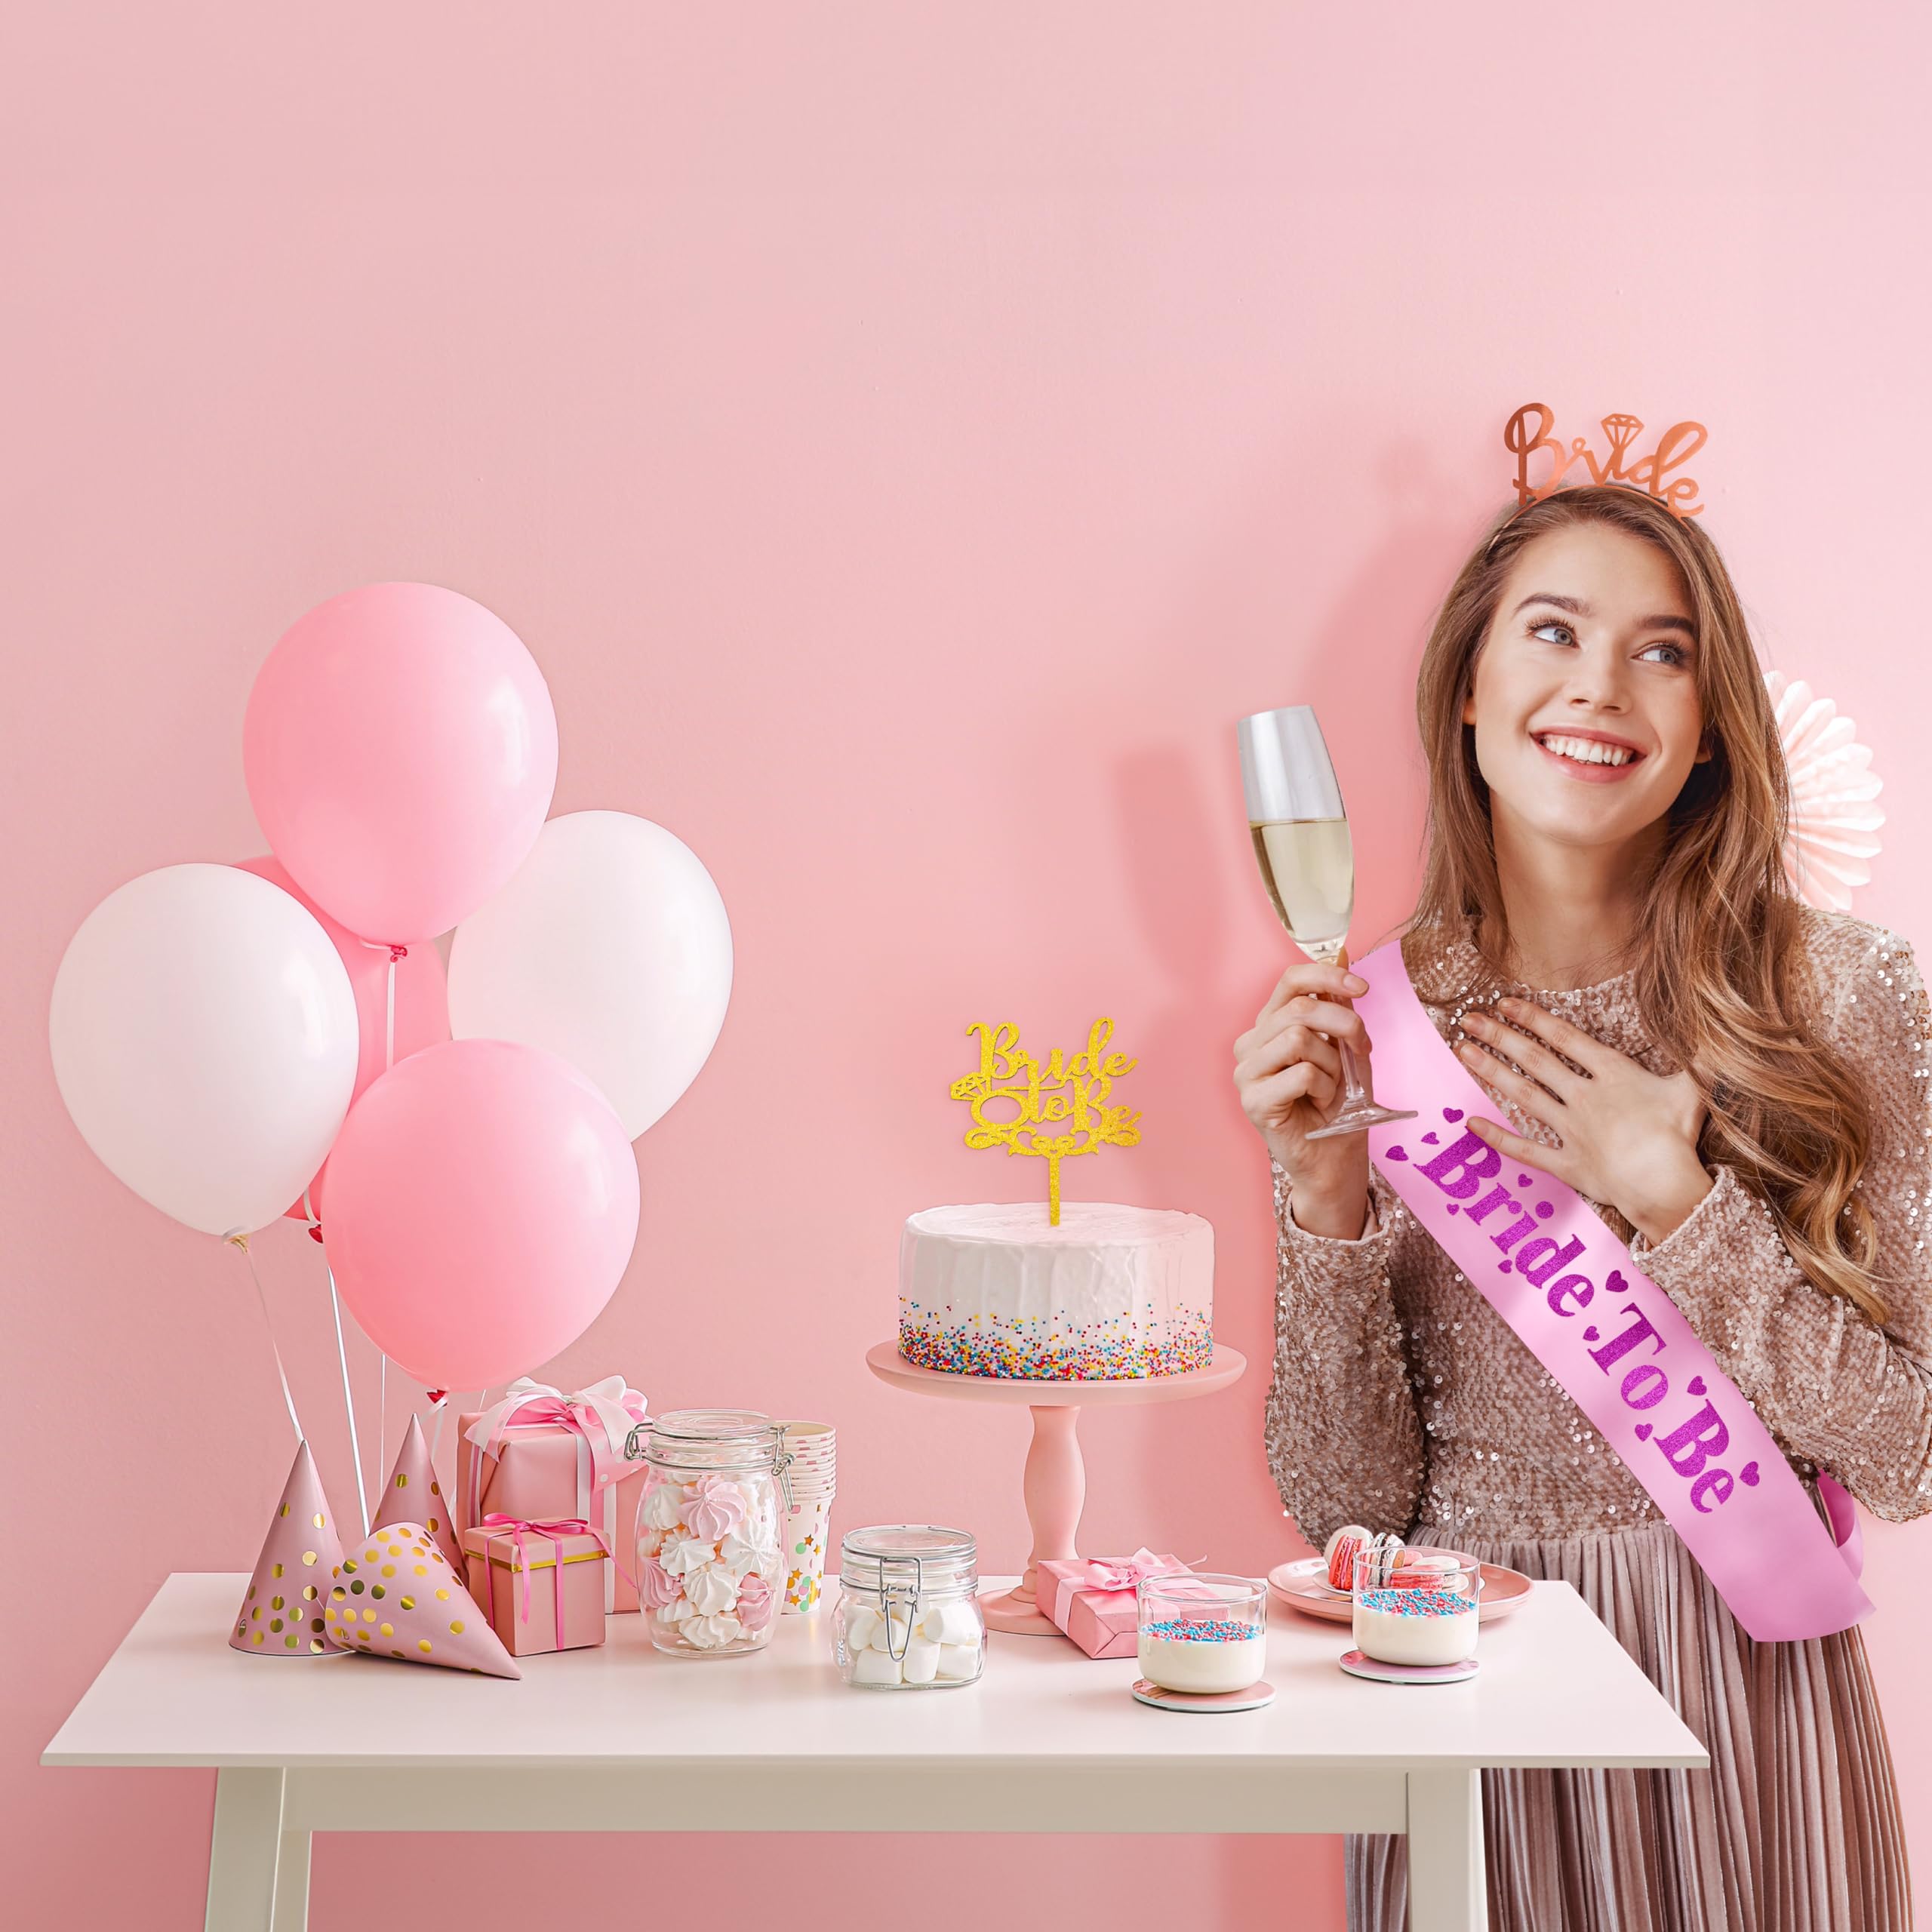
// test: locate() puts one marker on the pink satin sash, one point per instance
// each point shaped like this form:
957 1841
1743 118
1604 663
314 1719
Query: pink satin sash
1543 1259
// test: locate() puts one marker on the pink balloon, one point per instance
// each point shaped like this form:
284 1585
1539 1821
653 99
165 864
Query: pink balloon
422 1002
401 750
483 1205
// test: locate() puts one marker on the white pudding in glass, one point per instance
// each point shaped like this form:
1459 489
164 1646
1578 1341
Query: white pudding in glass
1205 1658
1415 1626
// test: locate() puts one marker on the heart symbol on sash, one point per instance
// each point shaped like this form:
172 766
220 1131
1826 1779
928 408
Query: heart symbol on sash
1589 1334
1642 1432
1503 1267
1748 1475
1428 1141
1616 1283
1697 1385
1452 1113
1397 1153
1522 1180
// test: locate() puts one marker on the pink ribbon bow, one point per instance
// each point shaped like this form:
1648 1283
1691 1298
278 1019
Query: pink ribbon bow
1126 1573
553 1528
603 1414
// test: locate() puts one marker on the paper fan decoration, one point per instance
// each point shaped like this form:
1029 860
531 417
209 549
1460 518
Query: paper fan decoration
281 1615
1833 822
393 1595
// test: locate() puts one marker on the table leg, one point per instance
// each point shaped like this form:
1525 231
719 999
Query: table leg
291 1885
1447 1889
244 1850
1055 1488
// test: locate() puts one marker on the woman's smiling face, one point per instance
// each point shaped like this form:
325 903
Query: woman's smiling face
1584 695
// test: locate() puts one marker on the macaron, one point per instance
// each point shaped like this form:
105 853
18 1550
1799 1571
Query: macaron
1420 1569
1340 1554
1383 1553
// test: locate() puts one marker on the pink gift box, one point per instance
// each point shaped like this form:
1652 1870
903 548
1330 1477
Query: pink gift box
1075 1595
549 1597
545 1471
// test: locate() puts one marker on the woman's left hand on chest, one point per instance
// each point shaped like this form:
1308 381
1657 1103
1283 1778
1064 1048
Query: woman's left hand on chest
1628 1137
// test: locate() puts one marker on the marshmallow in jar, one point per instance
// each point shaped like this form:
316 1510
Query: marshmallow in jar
908 1616
1202 1634
1423 1612
710 1572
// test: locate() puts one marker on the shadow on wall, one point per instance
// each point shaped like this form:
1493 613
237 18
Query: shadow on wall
1185 853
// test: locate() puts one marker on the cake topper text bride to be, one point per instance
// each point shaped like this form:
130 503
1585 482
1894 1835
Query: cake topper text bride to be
1056 1111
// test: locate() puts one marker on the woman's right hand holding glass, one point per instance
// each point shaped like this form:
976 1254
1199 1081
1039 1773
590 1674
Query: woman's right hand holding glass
1288 1074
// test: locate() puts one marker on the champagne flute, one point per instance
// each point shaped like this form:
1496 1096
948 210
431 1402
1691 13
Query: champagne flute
1301 838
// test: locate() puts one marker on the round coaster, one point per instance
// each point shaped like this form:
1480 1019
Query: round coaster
1161 1699
1356 1665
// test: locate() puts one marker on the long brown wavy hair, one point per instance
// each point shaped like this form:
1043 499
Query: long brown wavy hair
1720 972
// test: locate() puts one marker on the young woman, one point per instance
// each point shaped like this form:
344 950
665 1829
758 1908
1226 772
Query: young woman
1741 1087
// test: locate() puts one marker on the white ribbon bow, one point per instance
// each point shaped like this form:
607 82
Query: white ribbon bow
605 1400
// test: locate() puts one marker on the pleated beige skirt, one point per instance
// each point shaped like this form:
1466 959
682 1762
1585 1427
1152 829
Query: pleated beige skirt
1794 1828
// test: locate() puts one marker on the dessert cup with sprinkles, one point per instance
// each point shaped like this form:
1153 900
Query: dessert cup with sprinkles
1417 1617
1203 1635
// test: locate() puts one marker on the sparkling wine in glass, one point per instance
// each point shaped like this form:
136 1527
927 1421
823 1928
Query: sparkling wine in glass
1301 830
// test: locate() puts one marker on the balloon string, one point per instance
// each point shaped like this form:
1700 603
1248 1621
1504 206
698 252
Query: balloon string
355 1447
241 1241
395 952
342 1358
389 1060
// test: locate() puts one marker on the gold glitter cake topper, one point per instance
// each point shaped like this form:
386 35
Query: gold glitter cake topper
1071 1096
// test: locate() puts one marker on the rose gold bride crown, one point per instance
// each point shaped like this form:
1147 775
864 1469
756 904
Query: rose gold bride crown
1528 431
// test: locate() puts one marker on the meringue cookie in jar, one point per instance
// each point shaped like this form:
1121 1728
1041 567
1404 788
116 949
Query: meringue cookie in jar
709 1569
908 1616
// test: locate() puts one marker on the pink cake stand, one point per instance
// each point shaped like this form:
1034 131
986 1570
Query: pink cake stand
1055 1483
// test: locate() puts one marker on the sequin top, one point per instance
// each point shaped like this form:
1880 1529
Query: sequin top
1401 1397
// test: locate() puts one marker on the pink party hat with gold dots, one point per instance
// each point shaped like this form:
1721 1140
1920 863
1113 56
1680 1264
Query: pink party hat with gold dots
414 1496
281 1615
393 1595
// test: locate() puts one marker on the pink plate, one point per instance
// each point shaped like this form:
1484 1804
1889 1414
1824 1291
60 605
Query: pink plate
1303 1586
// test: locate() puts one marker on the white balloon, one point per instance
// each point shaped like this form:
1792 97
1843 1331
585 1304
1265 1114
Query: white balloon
204 1040
610 948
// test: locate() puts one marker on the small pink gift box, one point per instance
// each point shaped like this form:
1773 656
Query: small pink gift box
1092 1597
542 1454
540 1584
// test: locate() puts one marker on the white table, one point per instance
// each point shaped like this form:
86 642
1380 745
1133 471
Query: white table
622 1738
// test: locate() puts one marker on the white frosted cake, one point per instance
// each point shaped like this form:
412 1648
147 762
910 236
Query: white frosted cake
1111 1293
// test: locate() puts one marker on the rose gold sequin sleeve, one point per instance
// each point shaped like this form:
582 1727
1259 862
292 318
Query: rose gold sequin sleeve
1343 1437
1838 1391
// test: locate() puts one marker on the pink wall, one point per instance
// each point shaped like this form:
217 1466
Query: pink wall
908 437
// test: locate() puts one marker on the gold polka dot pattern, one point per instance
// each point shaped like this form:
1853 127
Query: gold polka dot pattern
405 1498
459 1638
299 1540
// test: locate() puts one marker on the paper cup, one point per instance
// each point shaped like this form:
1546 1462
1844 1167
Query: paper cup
812 1481
812 1445
806 1528
814 1468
